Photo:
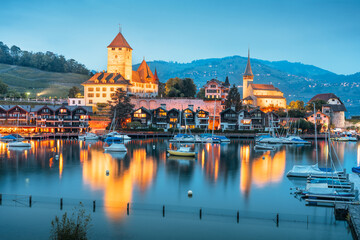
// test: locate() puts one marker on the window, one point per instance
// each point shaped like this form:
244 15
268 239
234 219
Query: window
73 102
62 110
90 101
104 95
98 95
173 120
115 56
90 89
120 48
112 89
104 89
79 102
90 95
97 89
213 86
113 49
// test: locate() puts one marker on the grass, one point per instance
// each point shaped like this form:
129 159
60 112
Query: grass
25 79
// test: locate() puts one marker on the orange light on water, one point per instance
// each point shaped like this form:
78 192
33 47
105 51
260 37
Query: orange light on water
61 165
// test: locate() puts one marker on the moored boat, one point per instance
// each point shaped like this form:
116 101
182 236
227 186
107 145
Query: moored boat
264 147
19 144
116 147
182 151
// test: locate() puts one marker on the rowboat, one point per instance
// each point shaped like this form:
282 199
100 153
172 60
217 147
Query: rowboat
264 147
182 151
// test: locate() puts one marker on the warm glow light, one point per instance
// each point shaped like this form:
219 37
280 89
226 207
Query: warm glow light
61 162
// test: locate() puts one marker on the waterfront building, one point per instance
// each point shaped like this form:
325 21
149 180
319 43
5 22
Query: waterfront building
334 108
44 118
257 119
173 118
201 119
265 96
76 101
217 89
320 117
229 119
143 116
101 87
160 118
244 120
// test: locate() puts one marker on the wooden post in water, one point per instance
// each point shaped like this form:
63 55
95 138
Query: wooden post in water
277 220
30 201
163 210
94 206
61 203
237 216
200 213
0 199
127 208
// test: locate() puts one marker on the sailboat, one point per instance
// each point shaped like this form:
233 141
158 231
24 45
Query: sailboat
184 138
312 170
114 147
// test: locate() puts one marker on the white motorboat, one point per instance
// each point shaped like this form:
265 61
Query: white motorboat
118 135
295 140
311 171
116 147
264 147
19 144
185 138
88 136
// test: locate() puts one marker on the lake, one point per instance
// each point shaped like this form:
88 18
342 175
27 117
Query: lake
224 179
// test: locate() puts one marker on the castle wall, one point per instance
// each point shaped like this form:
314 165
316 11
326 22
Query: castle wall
338 119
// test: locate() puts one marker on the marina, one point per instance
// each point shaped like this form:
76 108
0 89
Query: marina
230 183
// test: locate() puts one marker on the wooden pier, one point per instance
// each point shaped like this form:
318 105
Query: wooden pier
354 220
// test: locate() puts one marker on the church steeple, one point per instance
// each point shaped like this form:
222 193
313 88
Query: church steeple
248 71
156 78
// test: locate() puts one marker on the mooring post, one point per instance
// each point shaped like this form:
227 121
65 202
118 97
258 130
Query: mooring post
61 203
163 210
30 201
94 206
277 220
127 209
237 216
307 221
0 199
200 212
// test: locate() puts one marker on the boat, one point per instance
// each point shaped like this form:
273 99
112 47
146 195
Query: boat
88 136
18 137
311 170
8 138
18 144
116 147
185 138
117 155
263 147
117 135
356 169
180 158
347 139
182 151
295 140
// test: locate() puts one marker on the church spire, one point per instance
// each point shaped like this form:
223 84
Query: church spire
156 78
248 71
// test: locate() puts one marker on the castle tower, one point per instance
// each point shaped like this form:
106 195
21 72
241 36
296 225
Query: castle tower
120 57
248 78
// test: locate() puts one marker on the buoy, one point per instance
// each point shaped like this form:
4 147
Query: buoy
153 146
107 172
190 193
56 156
263 157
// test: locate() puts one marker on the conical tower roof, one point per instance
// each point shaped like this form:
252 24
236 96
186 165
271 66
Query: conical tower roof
119 41
248 71
156 78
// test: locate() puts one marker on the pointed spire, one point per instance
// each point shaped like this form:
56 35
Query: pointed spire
227 83
248 71
156 78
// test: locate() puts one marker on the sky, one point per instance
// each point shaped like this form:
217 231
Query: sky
324 33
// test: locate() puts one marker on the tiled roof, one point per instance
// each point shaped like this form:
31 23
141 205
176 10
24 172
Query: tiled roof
269 96
143 74
107 78
220 83
36 108
323 96
119 41
268 87
248 98
336 108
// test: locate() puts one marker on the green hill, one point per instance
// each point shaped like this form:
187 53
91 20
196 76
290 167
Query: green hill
35 81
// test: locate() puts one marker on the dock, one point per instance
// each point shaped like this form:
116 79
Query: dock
354 220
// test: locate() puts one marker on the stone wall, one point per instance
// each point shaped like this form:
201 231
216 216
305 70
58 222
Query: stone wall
338 119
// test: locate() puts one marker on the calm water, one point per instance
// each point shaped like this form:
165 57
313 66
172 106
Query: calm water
224 178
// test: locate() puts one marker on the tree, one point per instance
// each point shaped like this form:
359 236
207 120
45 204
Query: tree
172 87
318 105
74 92
201 93
297 105
161 90
176 87
233 99
74 227
121 105
187 87
227 83
3 88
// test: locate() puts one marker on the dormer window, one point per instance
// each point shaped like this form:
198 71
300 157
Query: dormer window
96 81
120 48
113 49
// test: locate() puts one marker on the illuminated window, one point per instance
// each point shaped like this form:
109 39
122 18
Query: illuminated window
104 95
173 120
112 48
90 89
97 89
115 56
62 110
98 95
90 101
104 89
119 48
90 95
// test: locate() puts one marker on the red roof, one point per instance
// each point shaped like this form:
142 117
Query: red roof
107 78
264 87
143 74
119 41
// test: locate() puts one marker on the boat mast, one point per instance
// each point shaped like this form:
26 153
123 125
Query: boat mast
316 145
212 134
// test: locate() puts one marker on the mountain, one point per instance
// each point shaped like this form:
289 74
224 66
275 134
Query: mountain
296 80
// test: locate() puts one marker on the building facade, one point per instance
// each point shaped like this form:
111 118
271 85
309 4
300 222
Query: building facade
217 89
101 87
265 96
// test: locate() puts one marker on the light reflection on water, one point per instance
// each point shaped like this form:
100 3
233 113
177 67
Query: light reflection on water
230 176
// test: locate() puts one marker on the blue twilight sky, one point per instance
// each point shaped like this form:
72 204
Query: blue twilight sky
324 33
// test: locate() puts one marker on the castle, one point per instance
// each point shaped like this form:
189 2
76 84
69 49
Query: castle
102 86
260 95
